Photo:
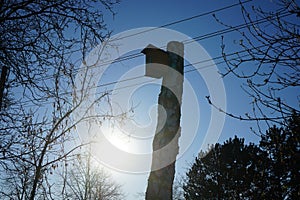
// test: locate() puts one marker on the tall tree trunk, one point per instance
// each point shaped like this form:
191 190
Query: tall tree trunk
2 83
165 143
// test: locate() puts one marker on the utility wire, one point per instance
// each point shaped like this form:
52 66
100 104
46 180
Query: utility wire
201 37
136 55
185 19
142 76
197 38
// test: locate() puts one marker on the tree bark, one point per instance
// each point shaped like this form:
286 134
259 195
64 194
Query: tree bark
2 83
165 142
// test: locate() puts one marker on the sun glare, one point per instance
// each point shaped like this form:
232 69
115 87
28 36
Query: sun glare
119 139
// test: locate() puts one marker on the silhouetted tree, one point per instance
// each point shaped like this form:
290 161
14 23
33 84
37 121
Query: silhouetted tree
282 144
267 59
41 44
234 170
228 171
87 180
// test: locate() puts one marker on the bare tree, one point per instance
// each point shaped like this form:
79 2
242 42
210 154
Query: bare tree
39 44
268 60
178 188
86 180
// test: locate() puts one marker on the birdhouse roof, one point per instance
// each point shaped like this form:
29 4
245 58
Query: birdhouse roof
151 48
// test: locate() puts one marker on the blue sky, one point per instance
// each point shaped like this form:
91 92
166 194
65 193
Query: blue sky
138 14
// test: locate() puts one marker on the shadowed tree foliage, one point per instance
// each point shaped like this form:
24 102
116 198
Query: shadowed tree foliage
227 171
283 148
234 170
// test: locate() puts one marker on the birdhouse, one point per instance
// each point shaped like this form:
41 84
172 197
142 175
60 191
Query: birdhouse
157 61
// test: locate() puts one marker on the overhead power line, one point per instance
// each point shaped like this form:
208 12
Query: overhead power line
135 55
201 37
198 38
142 76
185 19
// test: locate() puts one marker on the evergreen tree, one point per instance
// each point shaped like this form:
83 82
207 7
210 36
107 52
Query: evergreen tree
233 170
283 148
228 171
